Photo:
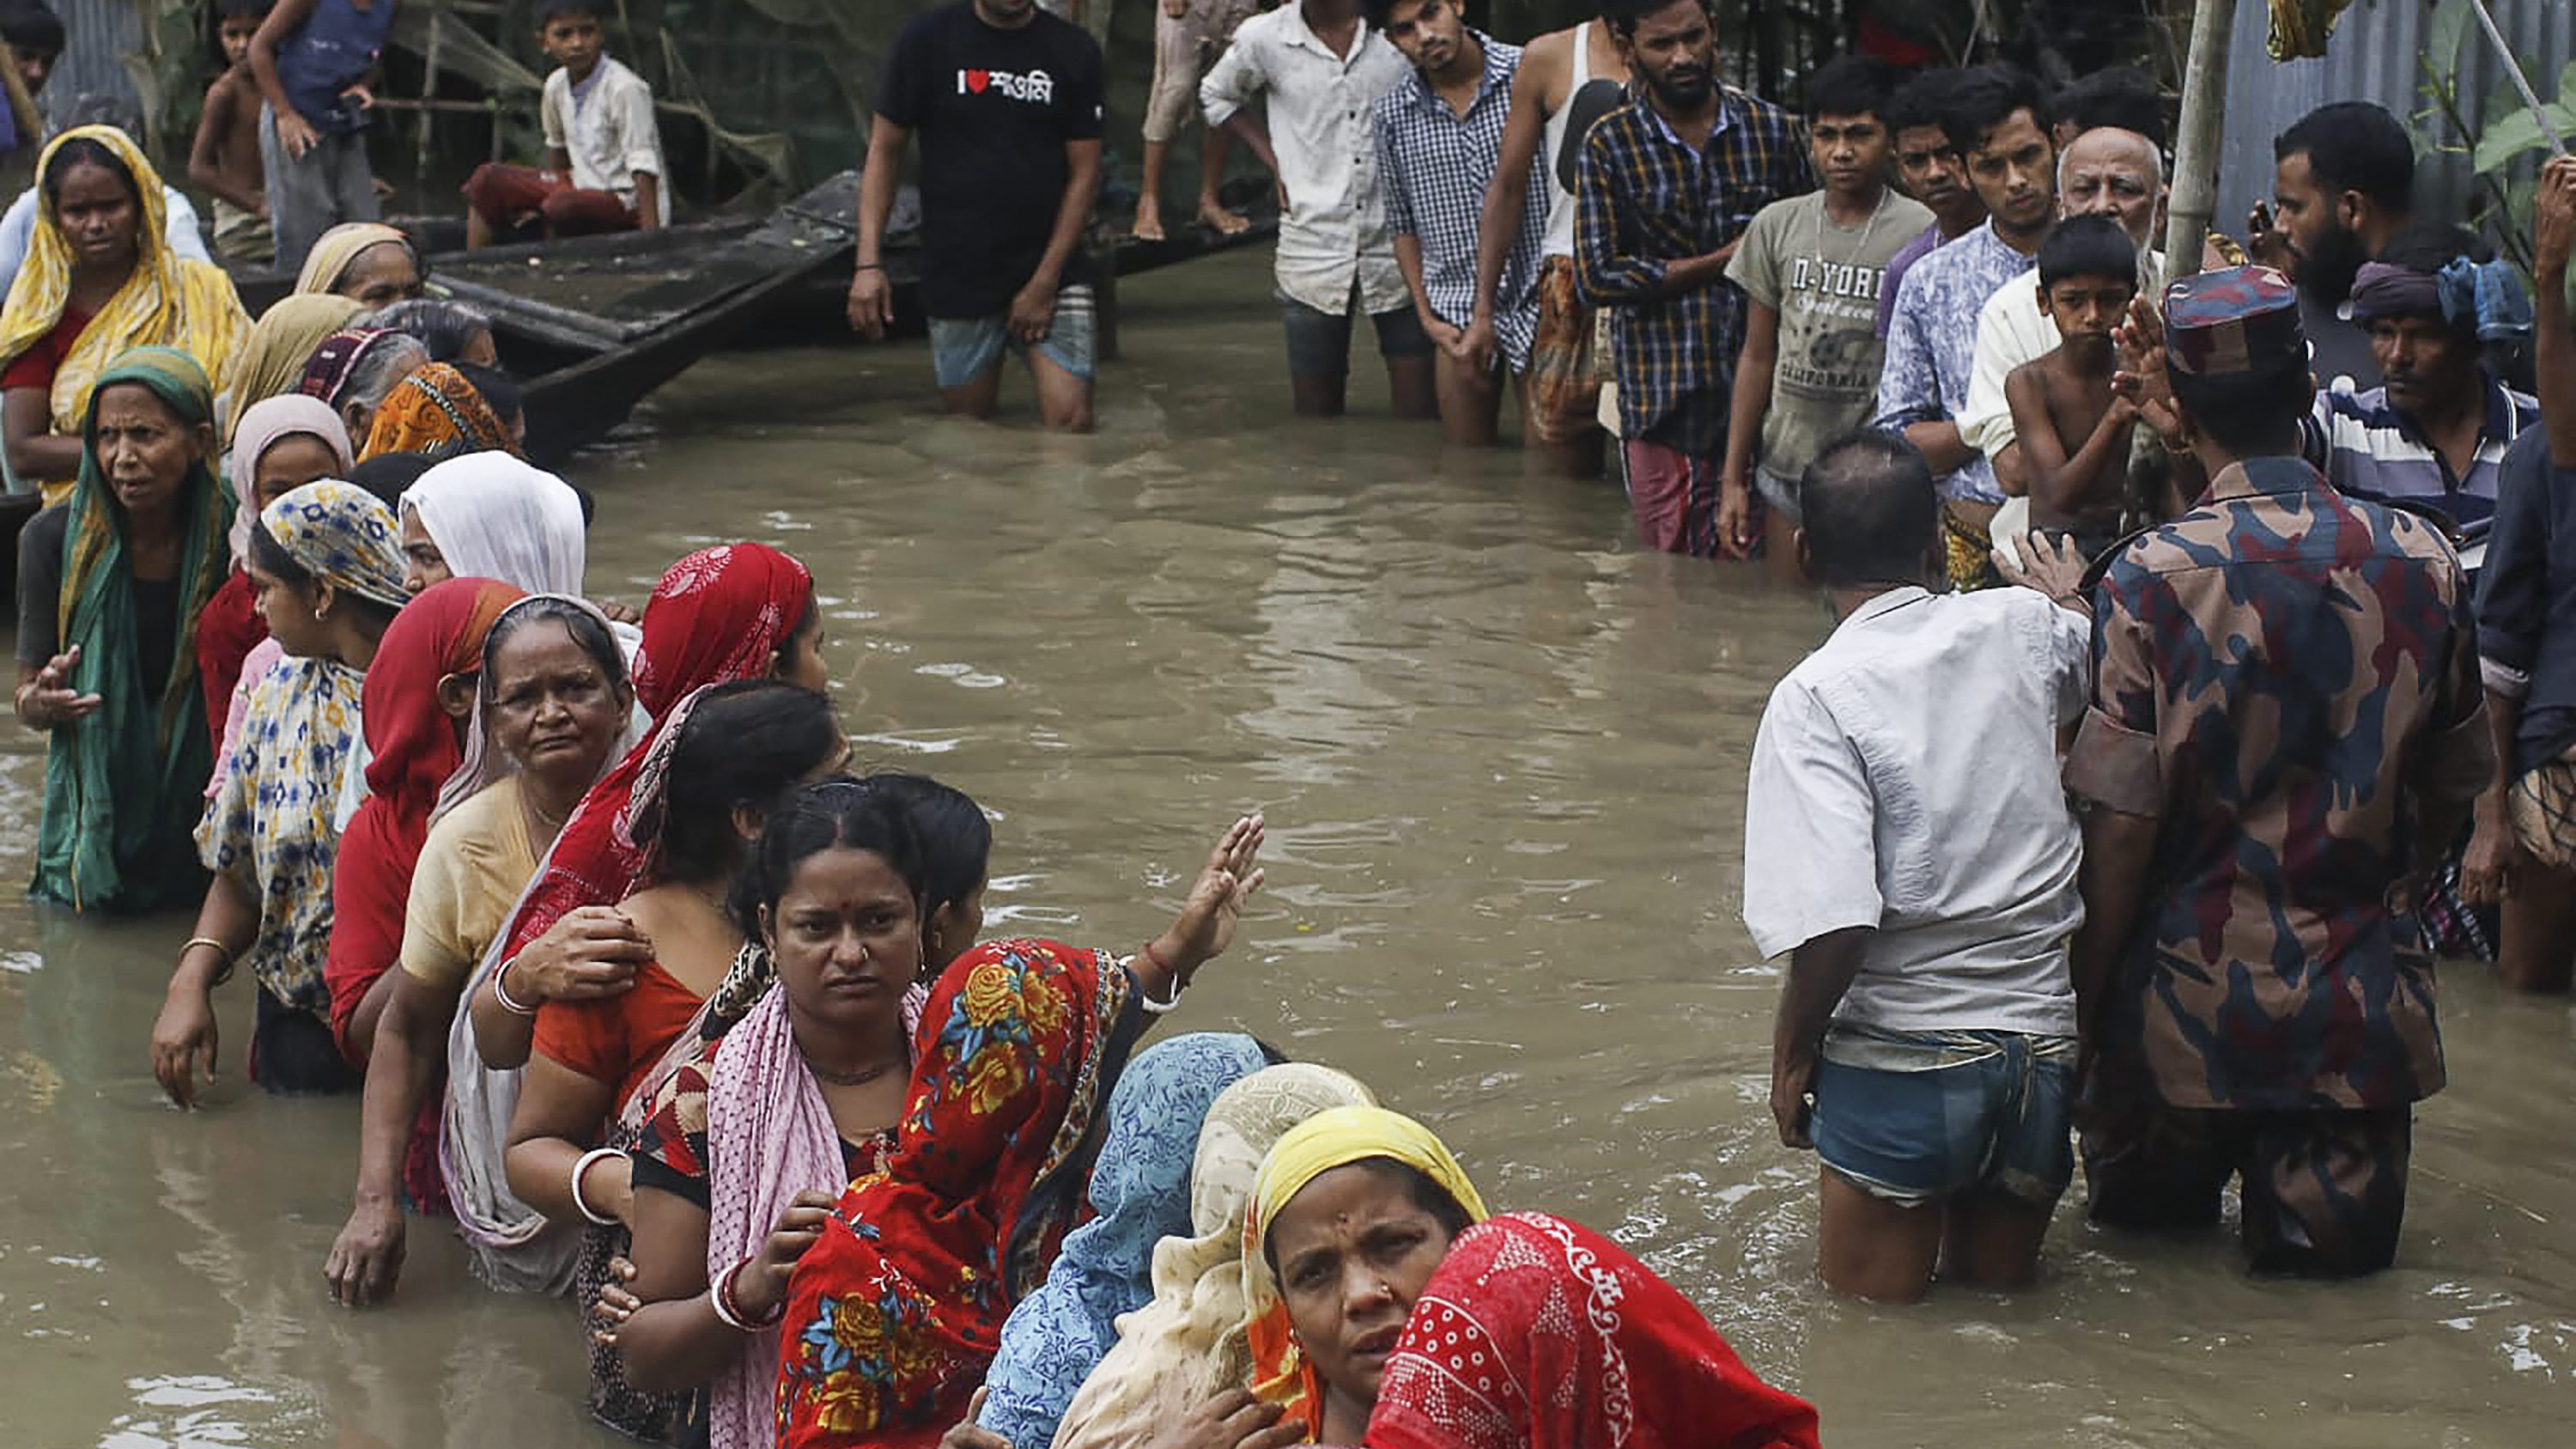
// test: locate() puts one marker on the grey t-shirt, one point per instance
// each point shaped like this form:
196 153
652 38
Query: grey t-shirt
1823 280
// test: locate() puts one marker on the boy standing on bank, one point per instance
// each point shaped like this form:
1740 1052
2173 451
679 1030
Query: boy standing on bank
224 159
314 61
1811 267
603 168
1007 100
2074 429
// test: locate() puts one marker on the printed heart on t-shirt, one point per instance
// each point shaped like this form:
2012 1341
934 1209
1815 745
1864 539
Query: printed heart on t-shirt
976 80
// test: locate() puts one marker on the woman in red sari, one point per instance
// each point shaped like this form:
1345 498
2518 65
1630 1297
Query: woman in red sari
889 1320
1492 1358
733 612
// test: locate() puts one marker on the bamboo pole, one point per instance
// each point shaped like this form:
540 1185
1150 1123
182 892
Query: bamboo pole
22 105
2194 202
2521 82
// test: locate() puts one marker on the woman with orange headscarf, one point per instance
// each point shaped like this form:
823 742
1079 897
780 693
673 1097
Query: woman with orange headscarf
435 410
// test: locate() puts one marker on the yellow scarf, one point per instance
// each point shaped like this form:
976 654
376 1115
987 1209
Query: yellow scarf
167 300
1281 1373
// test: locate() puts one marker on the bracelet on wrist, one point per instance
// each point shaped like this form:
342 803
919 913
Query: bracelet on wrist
501 991
728 1305
869 267
580 1170
1146 999
224 972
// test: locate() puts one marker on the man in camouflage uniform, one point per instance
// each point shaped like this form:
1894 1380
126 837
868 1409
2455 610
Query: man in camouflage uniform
2287 723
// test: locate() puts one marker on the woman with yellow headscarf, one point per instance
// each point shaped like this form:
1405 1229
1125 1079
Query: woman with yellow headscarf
100 280
1352 1213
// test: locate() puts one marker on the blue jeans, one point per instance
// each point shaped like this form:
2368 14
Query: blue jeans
1919 1117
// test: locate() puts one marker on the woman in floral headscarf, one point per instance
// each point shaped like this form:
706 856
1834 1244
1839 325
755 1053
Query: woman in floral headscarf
100 280
328 575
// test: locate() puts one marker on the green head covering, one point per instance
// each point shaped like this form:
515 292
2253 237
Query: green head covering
125 785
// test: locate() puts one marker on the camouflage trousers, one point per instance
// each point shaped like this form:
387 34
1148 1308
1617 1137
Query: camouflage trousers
2322 1190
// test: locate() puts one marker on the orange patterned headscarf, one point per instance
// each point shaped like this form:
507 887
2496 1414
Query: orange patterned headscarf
435 410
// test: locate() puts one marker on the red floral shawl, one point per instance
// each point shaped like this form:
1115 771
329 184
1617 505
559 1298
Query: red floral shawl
1536 1333
894 1316
719 615
412 747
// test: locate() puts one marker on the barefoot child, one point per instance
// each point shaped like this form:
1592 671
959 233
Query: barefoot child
2074 432
1188 34
603 168
225 157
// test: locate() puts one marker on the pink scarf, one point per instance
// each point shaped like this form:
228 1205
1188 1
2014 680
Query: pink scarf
769 1137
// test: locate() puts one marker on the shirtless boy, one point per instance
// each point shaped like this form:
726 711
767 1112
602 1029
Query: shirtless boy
225 156
2074 430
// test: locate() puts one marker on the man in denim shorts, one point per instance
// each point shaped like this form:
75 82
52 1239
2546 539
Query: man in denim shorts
1907 841
1006 99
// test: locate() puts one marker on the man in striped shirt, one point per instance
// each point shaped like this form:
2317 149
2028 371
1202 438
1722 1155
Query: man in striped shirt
1439 140
2435 431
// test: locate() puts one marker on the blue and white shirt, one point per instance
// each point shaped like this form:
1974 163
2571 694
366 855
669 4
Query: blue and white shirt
1932 344
2369 449
1437 164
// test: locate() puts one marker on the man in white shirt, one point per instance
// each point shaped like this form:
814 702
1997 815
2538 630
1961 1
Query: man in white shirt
1323 72
2105 171
1908 842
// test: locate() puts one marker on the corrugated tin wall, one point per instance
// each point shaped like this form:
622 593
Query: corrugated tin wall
2376 55
98 36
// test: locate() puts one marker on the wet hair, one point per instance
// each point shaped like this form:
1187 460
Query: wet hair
1919 101
1625 16
2087 246
87 151
386 475
1869 510
499 391
441 326
956 840
550 11
31 27
2247 414
2120 96
2354 146
743 747
587 629
1986 97
380 369
838 814
1419 1189
1852 85
272 559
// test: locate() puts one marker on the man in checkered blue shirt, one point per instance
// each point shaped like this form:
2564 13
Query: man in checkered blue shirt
1666 187
1439 139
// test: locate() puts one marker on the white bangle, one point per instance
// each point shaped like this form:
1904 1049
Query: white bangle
501 992
725 1315
1158 1008
582 1168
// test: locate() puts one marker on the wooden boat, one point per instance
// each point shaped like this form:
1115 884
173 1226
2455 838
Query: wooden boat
594 324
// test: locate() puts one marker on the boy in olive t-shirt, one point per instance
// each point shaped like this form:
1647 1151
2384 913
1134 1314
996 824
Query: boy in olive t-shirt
1811 267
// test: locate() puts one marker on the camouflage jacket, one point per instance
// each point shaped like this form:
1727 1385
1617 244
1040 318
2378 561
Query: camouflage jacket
2285 678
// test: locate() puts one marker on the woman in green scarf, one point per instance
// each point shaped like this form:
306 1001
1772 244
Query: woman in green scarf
110 583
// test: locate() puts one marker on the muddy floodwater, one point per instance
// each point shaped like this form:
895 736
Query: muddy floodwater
1503 758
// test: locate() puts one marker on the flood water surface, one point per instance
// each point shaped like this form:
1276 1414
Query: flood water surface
1503 759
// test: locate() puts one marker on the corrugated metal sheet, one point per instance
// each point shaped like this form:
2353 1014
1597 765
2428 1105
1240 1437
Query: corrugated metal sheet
98 35
2376 55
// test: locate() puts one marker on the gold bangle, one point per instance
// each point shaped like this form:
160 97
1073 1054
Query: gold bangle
223 973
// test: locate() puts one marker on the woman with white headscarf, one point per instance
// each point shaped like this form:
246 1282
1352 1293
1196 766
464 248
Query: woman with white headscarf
493 516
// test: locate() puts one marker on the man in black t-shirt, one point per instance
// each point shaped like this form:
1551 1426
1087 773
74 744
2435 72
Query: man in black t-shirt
1007 101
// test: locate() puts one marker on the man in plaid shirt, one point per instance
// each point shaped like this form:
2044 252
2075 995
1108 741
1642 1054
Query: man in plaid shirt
1667 184
1439 139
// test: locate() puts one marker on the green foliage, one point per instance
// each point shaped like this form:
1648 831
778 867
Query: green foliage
2499 142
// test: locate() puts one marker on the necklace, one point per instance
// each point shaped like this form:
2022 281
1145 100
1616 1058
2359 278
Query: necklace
848 1079
1860 248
